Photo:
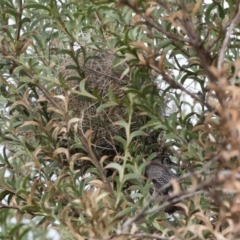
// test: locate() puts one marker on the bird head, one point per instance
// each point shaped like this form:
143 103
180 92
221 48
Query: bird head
164 160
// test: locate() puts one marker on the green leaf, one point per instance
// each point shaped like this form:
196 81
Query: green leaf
124 213
136 134
208 18
118 167
83 91
121 140
4 193
26 208
12 12
135 176
106 105
37 6
122 123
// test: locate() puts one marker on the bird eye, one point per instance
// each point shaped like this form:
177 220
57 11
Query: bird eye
166 160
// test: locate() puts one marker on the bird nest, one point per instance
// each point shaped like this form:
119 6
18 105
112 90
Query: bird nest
101 77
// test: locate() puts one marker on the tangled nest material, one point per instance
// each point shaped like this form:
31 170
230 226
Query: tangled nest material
101 77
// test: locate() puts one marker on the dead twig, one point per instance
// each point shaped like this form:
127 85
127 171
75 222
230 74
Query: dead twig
234 21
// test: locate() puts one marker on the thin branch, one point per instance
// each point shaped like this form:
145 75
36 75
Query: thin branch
230 20
132 235
176 199
176 43
96 163
141 236
164 5
177 85
19 22
226 39
152 22
141 213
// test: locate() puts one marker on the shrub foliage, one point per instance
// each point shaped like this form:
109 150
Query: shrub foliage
91 91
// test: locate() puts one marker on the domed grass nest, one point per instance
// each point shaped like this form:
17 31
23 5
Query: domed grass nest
105 82
102 80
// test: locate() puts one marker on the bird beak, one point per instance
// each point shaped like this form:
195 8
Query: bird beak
174 165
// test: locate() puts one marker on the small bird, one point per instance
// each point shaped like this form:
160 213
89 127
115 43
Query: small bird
159 171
